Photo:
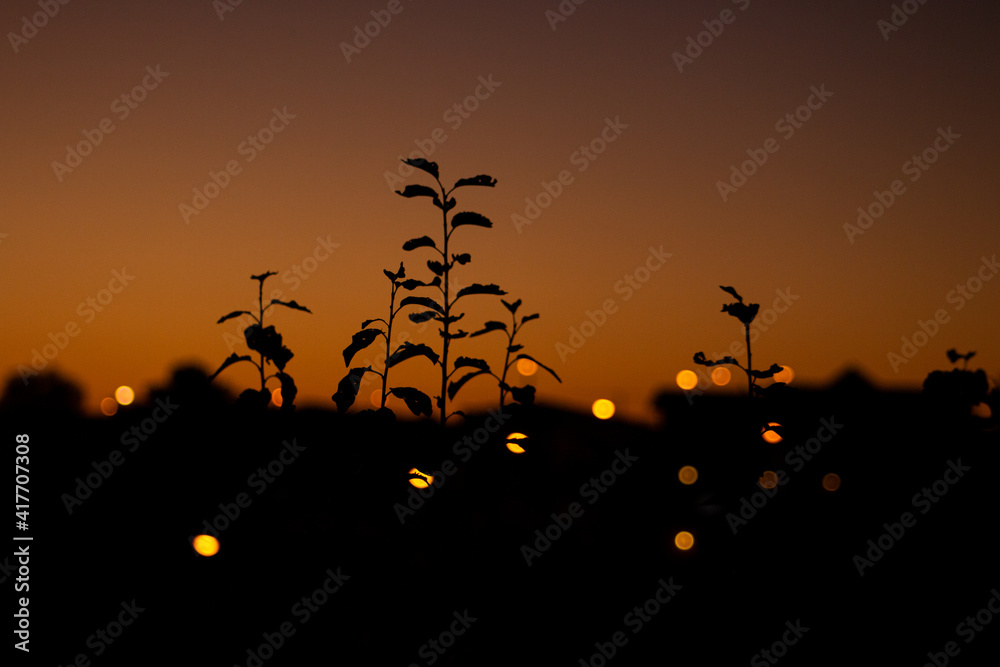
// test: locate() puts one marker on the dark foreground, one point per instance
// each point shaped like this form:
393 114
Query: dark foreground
562 556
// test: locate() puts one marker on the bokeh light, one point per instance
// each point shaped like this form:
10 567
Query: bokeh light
376 398
423 481
688 475
687 379
768 480
526 367
769 435
684 540
721 376
124 395
276 397
982 410
603 408
831 481
786 375
109 406
206 545
514 442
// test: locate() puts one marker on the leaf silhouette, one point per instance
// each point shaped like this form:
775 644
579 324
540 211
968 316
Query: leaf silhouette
470 218
420 163
417 401
360 341
476 288
473 362
761 375
347 389
457 384
528 318
699 358
732 291
540 364
288 391
436 267
512 307
268 342
408 350
364 325
235 313
464 258
452 335
264 276
413 284
230 360
423 316
424 301
515 348
524 395
289 304
742 312
481 179
420 242
492 325
417 191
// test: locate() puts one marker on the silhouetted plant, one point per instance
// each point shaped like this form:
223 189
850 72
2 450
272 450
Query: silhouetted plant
267 343
525 394
745 313
347 391
442 311
958 389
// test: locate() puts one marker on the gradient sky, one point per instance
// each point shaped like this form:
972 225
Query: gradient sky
324 177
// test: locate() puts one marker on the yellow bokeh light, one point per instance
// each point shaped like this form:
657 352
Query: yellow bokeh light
687 379
526 367
276 397
768 480
688 475
786 375
124 395
769 435
513 441
603 408
109 406
206 545
721 376
684 540
423 481
831 481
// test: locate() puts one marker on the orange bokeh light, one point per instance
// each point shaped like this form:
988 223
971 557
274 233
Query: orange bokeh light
109 406
526 367
206 545
276 397
786 375
831 481
124 395
423 482
512 442
603 408
688 475
687 379
684 540
721 376
769 435
768 480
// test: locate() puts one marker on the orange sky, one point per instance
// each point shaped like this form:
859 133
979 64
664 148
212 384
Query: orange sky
208 85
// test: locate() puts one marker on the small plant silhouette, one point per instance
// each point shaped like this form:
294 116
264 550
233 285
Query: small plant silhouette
347 391
442 311
958 389
267 343
745 313
525 394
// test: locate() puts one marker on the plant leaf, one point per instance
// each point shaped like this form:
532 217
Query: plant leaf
492 325
525 394
419 191
464 258
470 218
413 284
417 401
424 301
423 316
420 242
732 290
454 335
230 360
360 341
289 304
481 179
364 325
743 312
481 364
512 307
407 350
761 375
235 313
528 318
288 391
476 288
268 342
515 348
420 163
347 389
540 364
264 276
457 384
699 358
436 267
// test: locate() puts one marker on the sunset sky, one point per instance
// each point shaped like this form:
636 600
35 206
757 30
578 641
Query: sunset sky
312 120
